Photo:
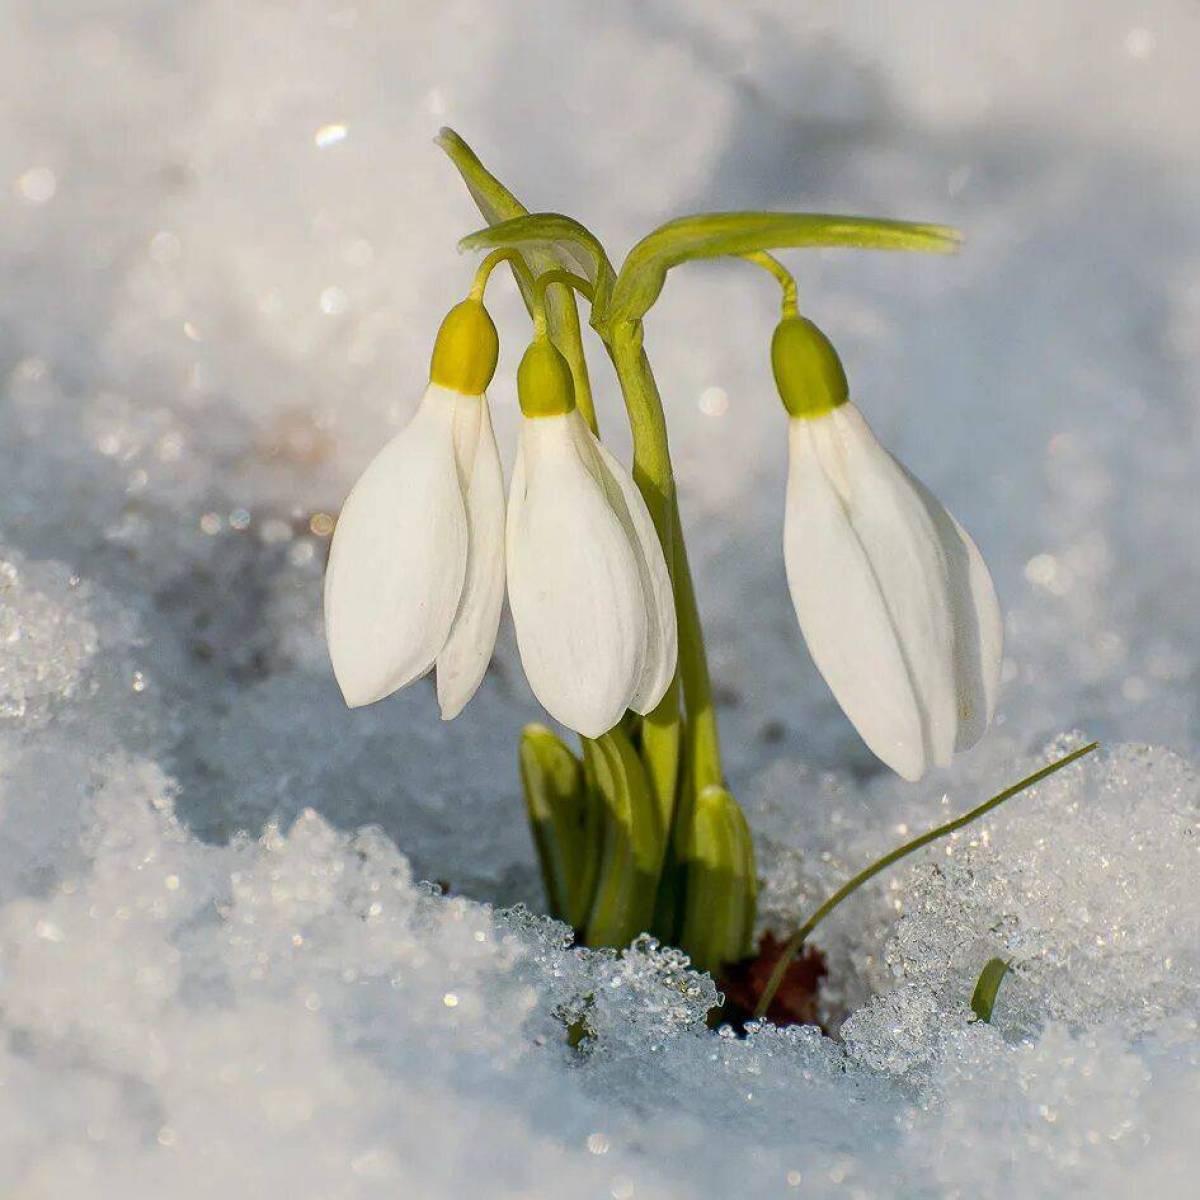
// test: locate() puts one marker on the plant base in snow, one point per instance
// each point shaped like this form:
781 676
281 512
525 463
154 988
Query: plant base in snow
797 999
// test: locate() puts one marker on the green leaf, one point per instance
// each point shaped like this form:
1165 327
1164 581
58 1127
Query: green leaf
719 882
983 998
713 235
633 841
749 875
563 240
565 820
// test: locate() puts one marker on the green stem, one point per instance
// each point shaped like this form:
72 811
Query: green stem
787 283
703 745
662 729
801 935
653 475
651 455
652 471
570 337
566 278
538 302
493 260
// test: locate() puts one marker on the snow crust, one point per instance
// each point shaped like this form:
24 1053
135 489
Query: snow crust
226 242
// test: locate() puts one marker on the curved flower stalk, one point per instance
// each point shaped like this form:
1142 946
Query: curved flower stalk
588 584
416 568
893 598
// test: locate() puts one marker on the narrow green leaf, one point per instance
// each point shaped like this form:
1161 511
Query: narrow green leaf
712 235
983 998
749 877
668 901
565 821
633 841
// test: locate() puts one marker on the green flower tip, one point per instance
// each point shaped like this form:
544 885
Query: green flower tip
466 350
544 384
807 369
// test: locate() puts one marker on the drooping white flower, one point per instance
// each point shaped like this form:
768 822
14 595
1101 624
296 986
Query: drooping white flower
587 581
416 567
894 600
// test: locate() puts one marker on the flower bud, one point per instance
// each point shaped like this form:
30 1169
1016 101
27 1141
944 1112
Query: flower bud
465 353
807 369
544 384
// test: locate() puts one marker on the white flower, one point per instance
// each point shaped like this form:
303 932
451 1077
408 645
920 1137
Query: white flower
893 598
587 582
416 568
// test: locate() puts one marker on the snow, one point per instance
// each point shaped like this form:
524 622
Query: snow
226 242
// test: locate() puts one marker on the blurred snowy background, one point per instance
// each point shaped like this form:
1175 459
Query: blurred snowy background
226 241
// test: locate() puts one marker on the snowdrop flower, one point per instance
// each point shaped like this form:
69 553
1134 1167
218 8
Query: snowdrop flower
587 581
894 600
416 568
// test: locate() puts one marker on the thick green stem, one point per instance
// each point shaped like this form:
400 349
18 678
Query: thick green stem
652 473
685 889
703 746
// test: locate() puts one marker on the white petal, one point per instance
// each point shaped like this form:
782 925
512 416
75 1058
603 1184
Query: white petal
658 669
573 584
978 623
904 548
398 559
978 642
465 657
841 609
